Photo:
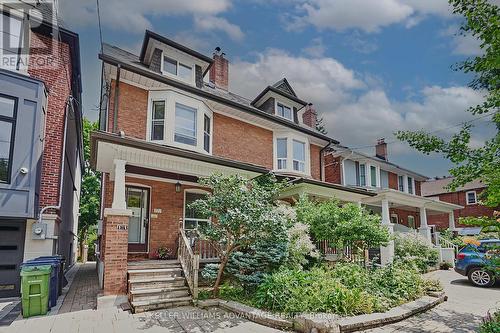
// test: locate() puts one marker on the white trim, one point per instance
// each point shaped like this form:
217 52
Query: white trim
160 179
396 216
290 137
178 63
276 102
342 167
191 190
467 198
408 221
150 195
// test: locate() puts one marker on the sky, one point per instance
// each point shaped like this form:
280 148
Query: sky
369 67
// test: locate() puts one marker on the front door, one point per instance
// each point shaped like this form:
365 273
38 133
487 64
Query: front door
12 233
138 203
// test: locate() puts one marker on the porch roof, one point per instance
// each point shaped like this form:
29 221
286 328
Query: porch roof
401 199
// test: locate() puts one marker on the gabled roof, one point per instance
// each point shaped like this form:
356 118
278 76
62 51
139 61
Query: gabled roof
150 34
438 186
283 88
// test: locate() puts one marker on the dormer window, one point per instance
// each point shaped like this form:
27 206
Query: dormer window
284 111
173 67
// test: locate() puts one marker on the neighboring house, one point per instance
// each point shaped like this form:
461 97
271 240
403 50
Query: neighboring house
40 140
162 127
466 196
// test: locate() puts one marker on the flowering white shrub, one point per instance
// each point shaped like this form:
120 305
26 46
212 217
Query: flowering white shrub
300 245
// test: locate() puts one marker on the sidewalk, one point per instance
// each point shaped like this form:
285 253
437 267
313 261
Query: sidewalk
82 294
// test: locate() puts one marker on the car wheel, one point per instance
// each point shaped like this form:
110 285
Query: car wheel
480 277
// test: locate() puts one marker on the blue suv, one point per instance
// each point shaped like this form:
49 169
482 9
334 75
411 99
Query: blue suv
471 260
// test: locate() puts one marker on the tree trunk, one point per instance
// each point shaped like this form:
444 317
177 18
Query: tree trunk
222 266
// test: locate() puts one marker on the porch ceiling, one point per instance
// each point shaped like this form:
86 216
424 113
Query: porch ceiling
407 201
324 191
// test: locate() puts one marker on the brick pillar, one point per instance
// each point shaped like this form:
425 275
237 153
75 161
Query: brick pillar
115 250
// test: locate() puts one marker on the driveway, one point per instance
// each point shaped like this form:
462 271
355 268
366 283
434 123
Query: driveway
463 311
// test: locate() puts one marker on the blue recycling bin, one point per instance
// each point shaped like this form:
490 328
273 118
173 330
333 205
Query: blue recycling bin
62 279
54 277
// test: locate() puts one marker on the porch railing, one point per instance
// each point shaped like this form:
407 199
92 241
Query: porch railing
190 263
333 253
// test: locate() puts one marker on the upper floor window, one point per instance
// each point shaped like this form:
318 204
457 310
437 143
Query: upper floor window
206 133
173 67
11 41
471 197
362 175
410 185
373 175
158 121
284 111
281 151
401 183
299 156
7 126
185 124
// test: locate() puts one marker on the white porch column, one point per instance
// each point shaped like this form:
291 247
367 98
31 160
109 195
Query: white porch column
424 229
387 252
451 220
119 189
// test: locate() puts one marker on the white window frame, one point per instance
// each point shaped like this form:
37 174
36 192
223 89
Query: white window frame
197 191
195 123
412 182
396 216
401 183
282 159
150 135
364 165
291 136
296 160
276 102
172 97
414 224
467 198
209 133
178 63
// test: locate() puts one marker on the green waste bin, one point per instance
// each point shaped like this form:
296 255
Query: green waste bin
35 289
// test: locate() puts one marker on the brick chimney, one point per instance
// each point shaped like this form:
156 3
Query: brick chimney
310 116
381 149
219 71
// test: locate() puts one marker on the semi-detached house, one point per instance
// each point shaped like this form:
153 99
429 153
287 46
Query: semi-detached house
162 126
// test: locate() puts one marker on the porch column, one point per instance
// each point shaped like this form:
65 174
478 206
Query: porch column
387 252
451 220
424 229
115 237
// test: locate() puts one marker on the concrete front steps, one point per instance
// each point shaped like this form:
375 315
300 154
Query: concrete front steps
156 284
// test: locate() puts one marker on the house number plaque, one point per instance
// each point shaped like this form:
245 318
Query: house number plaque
122 227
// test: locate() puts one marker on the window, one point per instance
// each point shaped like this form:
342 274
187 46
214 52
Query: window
192 218
185 72
281 150
410 185
373 175
11 41
362 175
206 133
170 65
299 156
158 120
284 111
7 131
401 183
394 218
411 221
471 197
185 124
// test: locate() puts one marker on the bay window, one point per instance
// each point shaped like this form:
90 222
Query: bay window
158 121
401 183
410 185
206 133
185 124
299 156
373 176
281 150
362 175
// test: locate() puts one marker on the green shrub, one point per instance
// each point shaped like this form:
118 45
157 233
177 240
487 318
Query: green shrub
433 285
491 323
413 249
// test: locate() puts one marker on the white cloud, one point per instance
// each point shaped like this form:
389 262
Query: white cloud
316 49
132 15
213 23
367 15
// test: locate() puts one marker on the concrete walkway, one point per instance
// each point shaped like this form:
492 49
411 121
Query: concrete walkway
463 312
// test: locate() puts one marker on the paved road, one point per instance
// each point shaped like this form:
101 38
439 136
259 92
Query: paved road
462 312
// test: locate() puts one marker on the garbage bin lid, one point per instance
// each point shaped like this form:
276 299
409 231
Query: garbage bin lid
36 270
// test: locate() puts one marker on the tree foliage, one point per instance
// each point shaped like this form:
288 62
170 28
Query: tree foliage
91 187
482 21
243 214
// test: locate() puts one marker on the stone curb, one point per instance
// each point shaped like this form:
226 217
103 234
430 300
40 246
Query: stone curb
327 322
259 316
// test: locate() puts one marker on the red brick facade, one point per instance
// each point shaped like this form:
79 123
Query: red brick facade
315 152
393 181
459 198
403 216
114 254
58 83
333 169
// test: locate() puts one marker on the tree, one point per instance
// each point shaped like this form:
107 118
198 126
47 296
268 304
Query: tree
320 126
243 213
342 225
91 188
482 20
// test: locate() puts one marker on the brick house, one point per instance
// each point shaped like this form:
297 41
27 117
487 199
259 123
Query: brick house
162 126
41 141
466 196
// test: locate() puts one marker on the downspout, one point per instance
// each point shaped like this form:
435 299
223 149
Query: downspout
115 103
321 161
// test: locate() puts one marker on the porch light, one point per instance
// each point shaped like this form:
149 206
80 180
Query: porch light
178 187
